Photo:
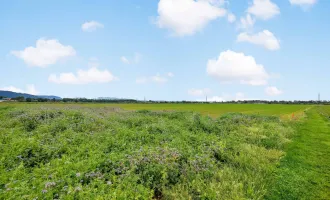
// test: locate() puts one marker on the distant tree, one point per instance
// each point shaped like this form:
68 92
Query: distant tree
28 100
42 100
20 98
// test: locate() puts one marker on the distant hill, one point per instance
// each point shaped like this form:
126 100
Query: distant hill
10 94
49 97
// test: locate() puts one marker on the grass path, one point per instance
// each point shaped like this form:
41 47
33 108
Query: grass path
304 173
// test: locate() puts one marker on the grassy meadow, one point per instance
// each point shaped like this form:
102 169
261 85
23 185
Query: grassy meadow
213 110
202 151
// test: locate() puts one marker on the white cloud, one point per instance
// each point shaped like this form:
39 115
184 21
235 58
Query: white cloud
214 99
92 75
273 91
30 89
232 67
231 18
46 52
135 60
303 2
159 79
215 2
264 38
227 97
124 60
199 92
186 17
91 26
12 89
170 74
263 9
246 22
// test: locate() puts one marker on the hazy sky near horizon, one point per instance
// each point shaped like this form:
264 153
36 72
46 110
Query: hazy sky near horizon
167 49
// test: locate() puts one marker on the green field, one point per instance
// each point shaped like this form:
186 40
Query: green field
213 110
96 151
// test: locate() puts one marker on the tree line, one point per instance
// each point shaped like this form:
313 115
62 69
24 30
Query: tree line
85 100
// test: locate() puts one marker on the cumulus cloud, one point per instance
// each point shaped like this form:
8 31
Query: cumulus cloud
273 91
134 60
92 75
264 38
30 89
199 92
231 18
91 26
186 17
46 52
263 9
232 67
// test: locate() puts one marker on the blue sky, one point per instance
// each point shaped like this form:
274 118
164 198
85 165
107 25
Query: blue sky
167 49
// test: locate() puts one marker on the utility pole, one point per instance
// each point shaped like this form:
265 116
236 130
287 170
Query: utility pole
319 97
206 98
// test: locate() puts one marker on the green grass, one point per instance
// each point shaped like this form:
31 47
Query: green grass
304 173
213 110
96 153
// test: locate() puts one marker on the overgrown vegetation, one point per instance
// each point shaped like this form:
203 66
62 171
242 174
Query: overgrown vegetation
84 153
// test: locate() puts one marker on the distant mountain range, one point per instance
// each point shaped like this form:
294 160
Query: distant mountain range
10 94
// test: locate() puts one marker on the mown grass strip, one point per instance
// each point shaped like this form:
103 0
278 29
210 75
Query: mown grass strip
304 173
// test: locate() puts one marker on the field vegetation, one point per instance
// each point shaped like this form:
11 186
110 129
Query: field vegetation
210 109
103 151
93 153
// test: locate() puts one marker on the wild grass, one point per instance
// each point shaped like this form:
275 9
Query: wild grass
94 153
